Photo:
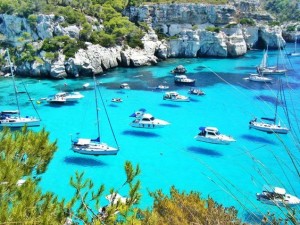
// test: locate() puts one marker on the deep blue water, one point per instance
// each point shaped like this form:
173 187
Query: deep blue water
231 174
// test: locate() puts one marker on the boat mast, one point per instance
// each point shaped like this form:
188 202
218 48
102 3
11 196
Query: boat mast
96 99
276 106
13 78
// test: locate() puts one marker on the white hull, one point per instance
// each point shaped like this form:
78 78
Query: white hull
258 78
220 139
271 71
269 128
20 122
150 125
94 148
287 200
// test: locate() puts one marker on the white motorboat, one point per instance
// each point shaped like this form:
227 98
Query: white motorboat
179 69
268 127
174 96
94 147
13 118
162 87
117 100
183 79
212 135
277 196
124 86
56 99
146 120
194 91
73 96
259 78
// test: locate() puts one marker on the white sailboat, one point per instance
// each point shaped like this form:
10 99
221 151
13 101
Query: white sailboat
295 52
13 118
269 127
265 69
90 146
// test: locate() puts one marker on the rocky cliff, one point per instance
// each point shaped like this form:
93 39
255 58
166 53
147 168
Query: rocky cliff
184 26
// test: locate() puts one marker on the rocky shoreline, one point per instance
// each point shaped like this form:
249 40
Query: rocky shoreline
183 25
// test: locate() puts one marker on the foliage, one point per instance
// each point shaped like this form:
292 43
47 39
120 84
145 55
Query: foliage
24 155
72 16
285 10
188 208
213 29
102 38
247 21
68 45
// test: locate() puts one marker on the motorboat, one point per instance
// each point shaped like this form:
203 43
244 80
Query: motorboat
183 79
146 120
212 135
277 196
56 99
73 96
179 69
268 127
114 198
117 100
86 85
124 86
162 87
175 97
195 91
259 78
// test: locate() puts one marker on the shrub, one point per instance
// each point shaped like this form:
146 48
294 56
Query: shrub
247 21
213 29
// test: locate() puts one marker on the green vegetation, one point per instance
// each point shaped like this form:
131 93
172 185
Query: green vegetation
213 29
284 10
247 21
26 154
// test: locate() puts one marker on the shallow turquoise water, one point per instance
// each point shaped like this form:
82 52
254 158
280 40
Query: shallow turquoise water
232 174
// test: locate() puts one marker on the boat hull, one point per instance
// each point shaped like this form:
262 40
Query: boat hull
269 128
20 122
95 149
149 125
287 200
223 140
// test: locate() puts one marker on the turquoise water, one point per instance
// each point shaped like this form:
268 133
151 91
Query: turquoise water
231 174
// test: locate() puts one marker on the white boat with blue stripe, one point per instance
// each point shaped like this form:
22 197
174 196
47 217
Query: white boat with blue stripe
146 120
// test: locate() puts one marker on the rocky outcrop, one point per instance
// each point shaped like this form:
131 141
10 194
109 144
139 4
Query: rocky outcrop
187 28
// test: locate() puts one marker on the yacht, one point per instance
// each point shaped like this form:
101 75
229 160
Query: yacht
195 91
179 69
183 79
124 86
175 97
277 196
268 127
212 135
259 78
73 96
146 120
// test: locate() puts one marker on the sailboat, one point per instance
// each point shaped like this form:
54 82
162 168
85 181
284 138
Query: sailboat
265 69
269 127
13 118
295 53
90 146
